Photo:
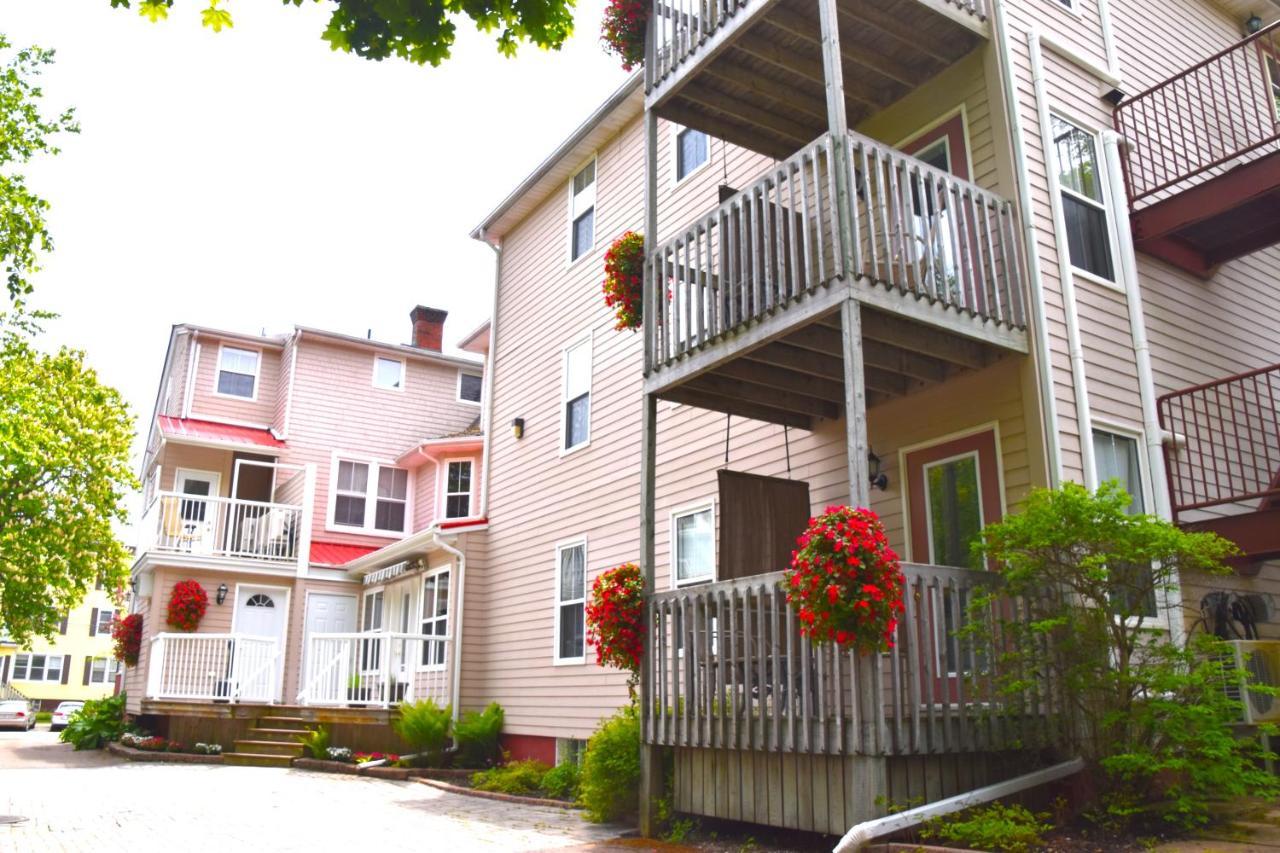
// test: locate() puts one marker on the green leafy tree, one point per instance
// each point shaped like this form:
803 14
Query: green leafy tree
1150 716
64 474
421 31
24 133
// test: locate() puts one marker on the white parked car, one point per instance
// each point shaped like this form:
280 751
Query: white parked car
62 714
17 714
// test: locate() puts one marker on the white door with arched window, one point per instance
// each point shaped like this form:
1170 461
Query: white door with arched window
261 611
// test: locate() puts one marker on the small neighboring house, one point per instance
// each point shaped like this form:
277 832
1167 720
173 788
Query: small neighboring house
78 663
274 466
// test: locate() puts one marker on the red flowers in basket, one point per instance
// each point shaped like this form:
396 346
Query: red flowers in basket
126 634
187 604
624 280
623 30
615 619
845 582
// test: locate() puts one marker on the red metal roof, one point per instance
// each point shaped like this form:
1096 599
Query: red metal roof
337 553
190 428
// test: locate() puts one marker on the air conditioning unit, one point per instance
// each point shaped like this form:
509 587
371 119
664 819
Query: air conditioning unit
1255 662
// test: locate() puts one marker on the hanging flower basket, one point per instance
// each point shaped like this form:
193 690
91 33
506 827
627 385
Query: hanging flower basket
623 30
615 619
624 280
126 634
187 604
845 582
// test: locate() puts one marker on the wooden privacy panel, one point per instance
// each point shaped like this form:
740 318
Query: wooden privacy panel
760 519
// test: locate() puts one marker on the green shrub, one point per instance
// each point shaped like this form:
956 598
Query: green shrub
99 722
610 786
476 736
521 778
44 716
562 781
316 743
425 726
997 827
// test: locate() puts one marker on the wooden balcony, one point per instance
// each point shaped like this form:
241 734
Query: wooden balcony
1223 464
746 300
750 71
1202 169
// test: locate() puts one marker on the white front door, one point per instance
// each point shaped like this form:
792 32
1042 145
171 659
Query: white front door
199 516
262 612
327 613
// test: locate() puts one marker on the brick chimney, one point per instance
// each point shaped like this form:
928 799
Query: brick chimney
428 327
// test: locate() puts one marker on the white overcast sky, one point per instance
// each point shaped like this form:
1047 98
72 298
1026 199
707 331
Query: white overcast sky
254 179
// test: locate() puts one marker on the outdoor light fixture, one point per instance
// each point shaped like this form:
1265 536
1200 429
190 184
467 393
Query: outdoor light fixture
133 584
222 593
517 427
879 479
1252 25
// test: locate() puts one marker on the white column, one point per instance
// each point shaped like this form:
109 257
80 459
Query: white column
303 542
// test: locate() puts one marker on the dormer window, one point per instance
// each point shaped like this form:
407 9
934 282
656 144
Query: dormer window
238 372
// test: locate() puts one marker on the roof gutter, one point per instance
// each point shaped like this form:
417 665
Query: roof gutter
491 358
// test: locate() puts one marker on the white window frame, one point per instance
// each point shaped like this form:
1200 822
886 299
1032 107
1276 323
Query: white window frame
476 373
257 372
110 668
585 339
1104 184
676 515
404 370
574 213
1070 6
559 603
1137 435
423 618
676 131
44 675
370 497
98 629
445 494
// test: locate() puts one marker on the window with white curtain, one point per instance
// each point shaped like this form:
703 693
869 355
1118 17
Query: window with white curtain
1115 457
692 151
693 545
571 591
238 372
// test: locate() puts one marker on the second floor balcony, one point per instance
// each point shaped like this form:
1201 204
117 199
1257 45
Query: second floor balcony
744 299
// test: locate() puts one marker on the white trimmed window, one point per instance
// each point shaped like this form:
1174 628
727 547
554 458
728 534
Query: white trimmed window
103 670
32 667
576 394
385 510
388 373
582 211
1116 457
571 600
470 387
693 548
457 489
692 151
105 617
1083 200
435 617
238 372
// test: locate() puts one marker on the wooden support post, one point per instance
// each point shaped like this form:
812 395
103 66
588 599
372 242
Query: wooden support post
855 403
838 123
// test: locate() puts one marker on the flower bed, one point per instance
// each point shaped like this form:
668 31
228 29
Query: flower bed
131 754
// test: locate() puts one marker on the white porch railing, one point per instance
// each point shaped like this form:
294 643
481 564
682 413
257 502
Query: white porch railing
223 527
214 667
375 668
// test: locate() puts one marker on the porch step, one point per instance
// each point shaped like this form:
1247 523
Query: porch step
291 723
268 747
256 759
277 735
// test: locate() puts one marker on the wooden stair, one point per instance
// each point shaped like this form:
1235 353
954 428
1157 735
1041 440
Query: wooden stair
273 742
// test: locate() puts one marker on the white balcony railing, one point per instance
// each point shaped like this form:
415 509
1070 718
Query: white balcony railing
214 667
375 668
223 527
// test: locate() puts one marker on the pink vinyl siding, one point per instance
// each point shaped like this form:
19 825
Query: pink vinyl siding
206 403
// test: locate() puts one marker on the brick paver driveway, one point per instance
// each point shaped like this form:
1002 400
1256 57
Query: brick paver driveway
91 802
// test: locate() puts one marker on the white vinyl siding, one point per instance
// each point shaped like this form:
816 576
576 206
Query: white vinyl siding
571 599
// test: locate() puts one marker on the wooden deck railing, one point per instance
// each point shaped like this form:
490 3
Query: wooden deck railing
681 27
915 230
1203 119
729 670
1226 447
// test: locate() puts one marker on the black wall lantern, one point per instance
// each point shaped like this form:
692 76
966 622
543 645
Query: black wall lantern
879 479
517 427
1253 25
222 593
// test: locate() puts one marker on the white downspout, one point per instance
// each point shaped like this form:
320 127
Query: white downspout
455 688
192 357
490 360
1108 39
1152 435
1080 382
1044 364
